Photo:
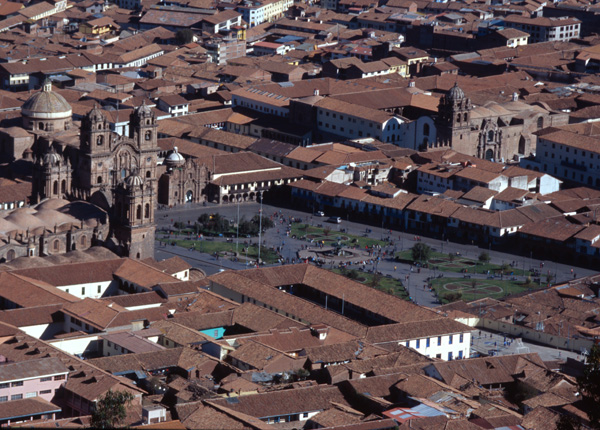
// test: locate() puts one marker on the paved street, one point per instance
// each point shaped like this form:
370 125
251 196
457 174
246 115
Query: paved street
276 237
488 343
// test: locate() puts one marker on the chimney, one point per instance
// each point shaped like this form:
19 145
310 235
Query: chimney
515 96
411 84
316 92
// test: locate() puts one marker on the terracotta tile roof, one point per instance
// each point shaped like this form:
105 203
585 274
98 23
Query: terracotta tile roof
199 415
259 319
183 357
286 303
178 333
479 194
97 313
414 330
32 315
27 292
487 370
141 274
204 321
284 402
75 273
169 266
555 229
31 369
16 409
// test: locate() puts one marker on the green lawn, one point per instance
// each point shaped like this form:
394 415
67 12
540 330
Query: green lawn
473 289
331 235
225 249
385 284
459 264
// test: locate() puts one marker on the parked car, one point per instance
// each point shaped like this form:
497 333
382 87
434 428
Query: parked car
320 213
335 219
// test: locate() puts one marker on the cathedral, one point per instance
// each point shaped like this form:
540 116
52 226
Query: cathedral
115 173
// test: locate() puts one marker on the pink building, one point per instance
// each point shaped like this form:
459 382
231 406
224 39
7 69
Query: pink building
32 378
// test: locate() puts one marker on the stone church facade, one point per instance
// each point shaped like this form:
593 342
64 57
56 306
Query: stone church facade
113 172
494 131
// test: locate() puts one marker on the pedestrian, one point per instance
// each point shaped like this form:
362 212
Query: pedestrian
395 268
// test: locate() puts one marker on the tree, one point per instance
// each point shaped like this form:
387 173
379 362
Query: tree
375 280
452 297
589 387
111 409
484 257
326 231
184 36
420 252
451 256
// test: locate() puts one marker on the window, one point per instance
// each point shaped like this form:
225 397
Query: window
59 377
3 399
45 392
46 379
407 343
460 338
305 415
16 384
450 339
428 342
439 340
418 344
450 356
83 291
99 289
460 354
16 397
30 395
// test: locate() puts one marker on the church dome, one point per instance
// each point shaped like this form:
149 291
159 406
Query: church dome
455 93
46 104
96 114
133 181
51 159
144 110
175 158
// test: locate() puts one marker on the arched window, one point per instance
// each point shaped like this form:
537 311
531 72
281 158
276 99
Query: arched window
56 245
490 136
83 241
123 173
148 173
465 117
458 118
55 188
100 140
147 211
99 180
138 212
147 122
540 122
489 154
148 135
63 186
425 129
10 255
41 126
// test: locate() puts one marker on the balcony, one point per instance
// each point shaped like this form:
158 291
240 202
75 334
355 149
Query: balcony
570 165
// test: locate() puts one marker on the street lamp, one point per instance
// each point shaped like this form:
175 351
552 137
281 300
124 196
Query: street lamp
260 225
237 233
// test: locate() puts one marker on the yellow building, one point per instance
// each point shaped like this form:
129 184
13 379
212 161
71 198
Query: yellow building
98 26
